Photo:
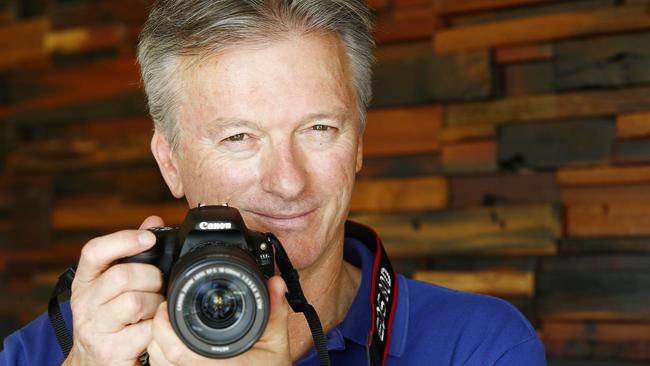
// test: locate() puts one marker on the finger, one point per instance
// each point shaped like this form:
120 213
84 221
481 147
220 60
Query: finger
128 308
156 356
133 340
125 277
172 349
152 221
99 253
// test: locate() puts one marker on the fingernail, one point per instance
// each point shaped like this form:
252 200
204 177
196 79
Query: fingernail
146 238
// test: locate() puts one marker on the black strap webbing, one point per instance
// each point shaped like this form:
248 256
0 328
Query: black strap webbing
298 302
61 331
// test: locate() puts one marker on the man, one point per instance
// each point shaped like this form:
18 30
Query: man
261 105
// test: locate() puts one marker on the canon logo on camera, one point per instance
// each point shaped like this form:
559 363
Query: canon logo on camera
204 225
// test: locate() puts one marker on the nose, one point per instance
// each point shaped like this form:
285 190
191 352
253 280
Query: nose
285 175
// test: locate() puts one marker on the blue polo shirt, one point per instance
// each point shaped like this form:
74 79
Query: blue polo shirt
432 326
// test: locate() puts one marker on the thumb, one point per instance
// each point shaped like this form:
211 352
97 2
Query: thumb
276 335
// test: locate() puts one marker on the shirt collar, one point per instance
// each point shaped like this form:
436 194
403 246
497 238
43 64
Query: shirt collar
356 324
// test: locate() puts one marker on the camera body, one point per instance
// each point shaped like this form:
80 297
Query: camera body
215 272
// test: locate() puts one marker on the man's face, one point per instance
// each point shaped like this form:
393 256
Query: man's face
273 131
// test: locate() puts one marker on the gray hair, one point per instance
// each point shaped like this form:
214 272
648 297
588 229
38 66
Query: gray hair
177 28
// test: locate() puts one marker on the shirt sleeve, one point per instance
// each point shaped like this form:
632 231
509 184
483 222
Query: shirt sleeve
529 352
12 351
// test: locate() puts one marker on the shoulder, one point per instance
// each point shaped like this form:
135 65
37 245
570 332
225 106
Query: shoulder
468 328
34 344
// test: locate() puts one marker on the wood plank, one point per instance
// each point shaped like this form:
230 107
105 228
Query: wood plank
542 28
465 6
594 288
402 131
473 191
428 78
496 283
76 40
591 220
391 195
388 29
558 143
518 230
610 61
597 340
604 175
605 245
108 213
401 166
632 151
73 155
22 42
529 78
464 133
599 103
630 194
470 157
632 125
525 53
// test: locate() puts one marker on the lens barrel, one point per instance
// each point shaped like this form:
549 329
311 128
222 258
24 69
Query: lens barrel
218 301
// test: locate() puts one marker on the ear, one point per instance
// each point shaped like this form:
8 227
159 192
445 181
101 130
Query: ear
163 153
359 153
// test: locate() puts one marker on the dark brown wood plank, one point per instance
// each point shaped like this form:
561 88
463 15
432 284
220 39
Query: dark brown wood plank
527 188
529 78
403 194
605 245
556 144
632 151
604 175
549 107
22 42
525 53
470 157
542 28
610 61
428 78
401 166
463 6
519 230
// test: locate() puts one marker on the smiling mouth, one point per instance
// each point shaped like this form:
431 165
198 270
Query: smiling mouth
285 219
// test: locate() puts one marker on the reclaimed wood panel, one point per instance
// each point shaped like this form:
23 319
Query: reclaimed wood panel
464 133
76 40
402 131
470 157
519 230
108 213
527 188
525 53
390 195
428 78
604 175
22 42
465 6
594 288
632 151
558 143
388 29
529 78
496 283
633 125
604 219
610 61
633 194
401 166
542 28
597 340
581 104
605 245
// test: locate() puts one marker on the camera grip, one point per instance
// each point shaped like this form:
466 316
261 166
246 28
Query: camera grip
163 254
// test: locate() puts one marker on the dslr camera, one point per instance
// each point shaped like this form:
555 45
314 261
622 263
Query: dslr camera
215 272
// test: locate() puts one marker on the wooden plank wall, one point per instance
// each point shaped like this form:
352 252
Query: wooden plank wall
507 152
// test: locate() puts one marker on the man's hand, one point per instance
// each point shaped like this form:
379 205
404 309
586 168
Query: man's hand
112 305
272 349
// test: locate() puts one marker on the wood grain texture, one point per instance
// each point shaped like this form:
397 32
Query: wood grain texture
548 107
391 195
497 283
519 230
525 53
542 28
604 175
633 125
470 157
603 219
402 131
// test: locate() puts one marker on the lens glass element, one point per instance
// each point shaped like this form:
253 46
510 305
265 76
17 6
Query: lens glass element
219 303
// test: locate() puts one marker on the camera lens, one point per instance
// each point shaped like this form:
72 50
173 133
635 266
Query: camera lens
221 304
218 301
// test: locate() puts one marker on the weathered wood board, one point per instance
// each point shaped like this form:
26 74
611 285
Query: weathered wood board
529 78
401 166
470 157
604 175
403 194
525 53
633 125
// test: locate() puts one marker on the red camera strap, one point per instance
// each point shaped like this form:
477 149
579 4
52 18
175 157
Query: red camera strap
383 293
